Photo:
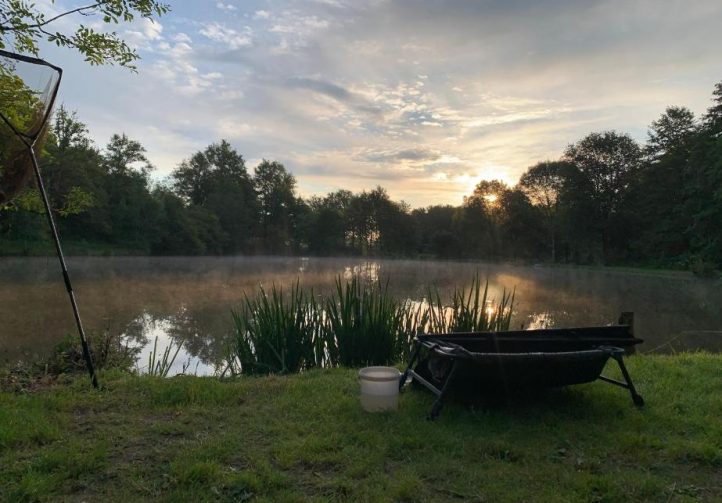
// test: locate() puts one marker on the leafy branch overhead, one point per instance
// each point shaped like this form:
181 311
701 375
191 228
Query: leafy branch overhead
23 26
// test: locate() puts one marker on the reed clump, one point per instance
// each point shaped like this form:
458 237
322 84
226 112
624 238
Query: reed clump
277 333
359 323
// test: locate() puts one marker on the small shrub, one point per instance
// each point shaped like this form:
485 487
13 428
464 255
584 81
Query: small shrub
109 352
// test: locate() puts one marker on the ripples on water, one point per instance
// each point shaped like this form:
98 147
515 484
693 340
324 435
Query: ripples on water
188 300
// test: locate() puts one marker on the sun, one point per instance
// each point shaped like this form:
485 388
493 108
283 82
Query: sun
491 199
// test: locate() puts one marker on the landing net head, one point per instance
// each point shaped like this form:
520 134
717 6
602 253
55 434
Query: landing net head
28 88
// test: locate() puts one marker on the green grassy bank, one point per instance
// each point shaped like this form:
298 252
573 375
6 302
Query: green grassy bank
304 437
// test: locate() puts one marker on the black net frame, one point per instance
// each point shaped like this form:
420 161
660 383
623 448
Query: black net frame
32 135
29 139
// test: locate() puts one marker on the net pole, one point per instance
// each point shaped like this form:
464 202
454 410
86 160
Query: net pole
29 141
66 276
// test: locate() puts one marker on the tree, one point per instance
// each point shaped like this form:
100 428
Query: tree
704 188
185 230
133 212
73 170
69 131
325 224
23 25
671 131
70 191
394 224
713 117
521 231
482 216
656 199
197 177
542 184
123 154
490 191
577 218
435 228
216 180
609 161
275 188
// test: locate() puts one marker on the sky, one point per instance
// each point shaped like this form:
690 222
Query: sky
422 97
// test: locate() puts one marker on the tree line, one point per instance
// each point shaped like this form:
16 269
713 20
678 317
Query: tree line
606 200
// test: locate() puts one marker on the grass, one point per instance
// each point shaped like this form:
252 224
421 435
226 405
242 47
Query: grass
304 437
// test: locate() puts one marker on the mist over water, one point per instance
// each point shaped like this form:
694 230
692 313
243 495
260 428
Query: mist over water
189 300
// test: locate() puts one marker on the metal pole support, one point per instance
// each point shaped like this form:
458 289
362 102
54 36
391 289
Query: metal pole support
66 277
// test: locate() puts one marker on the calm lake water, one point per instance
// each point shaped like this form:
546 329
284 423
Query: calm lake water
190 299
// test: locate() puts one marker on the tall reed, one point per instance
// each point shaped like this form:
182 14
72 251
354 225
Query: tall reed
160 365
471 311
364 322
359 323
279 333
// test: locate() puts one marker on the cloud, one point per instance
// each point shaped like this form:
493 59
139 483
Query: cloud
143 32
329 89
227 36
420 96
181 37
226 6
397 156
356 101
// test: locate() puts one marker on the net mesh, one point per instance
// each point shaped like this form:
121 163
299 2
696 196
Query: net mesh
27 94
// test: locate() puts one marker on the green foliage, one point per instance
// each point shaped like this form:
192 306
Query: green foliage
77 201
23 25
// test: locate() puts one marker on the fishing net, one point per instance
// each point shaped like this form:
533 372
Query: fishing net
28 87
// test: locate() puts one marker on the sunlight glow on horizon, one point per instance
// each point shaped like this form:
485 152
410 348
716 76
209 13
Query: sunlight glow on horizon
425 99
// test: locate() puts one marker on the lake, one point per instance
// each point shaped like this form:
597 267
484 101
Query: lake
189 300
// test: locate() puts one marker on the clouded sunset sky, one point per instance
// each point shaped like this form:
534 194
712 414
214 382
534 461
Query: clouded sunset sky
423 97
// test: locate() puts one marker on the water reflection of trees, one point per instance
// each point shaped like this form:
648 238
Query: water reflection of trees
204 333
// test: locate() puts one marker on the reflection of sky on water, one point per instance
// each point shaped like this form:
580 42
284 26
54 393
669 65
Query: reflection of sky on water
189 300
159 335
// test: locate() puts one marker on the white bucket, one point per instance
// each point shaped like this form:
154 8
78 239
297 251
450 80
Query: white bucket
379 388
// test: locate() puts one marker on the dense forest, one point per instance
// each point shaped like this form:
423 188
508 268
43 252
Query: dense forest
607 200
